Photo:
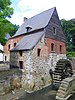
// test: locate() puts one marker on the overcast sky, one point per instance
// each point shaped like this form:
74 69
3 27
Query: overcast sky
29 8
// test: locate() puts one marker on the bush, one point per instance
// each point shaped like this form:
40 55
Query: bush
70 54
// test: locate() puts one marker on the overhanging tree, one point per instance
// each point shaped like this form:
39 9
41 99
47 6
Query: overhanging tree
5 12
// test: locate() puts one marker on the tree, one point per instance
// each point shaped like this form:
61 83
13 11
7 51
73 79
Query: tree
5 12
69 30
12 32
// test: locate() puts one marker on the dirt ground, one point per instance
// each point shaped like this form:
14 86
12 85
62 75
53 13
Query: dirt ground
44 94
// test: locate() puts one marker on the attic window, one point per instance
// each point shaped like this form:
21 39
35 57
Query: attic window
28 28
54 30
38 52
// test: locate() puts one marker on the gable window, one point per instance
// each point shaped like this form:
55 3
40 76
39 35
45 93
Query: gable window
54 30
60 48
52 46
20 53
9 47
38 52
14 44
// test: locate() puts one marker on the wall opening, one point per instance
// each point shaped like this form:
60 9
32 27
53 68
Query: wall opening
14 44
52 46
21 64
60 48
38 52
9 47
54 30
5 58
20 53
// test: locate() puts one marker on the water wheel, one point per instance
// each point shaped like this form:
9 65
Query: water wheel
63 70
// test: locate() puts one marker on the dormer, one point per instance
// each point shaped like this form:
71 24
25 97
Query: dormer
28 28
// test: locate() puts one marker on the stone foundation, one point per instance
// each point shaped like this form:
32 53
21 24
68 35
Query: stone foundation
10 80
36 70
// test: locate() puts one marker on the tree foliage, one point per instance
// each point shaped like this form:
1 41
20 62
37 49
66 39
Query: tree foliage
5 12
12 32
69 30
5 9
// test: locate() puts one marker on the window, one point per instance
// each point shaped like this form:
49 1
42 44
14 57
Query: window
21 64
9 47
28 28
14 44
52 47
5 58
54 30
60 48
20 53
38 52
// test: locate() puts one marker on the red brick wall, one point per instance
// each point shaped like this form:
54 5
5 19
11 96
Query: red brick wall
11 42
56 46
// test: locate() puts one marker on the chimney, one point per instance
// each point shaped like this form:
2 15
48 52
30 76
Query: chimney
24 19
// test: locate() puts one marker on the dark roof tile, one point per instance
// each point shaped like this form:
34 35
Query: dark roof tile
36 22
28 42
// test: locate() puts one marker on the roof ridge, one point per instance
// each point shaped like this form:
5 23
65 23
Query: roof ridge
42 12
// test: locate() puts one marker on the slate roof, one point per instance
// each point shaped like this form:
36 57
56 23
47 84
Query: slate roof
28 41
7 36
36 22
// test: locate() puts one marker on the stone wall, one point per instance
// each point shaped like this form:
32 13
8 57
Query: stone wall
36 69
9 80
14 59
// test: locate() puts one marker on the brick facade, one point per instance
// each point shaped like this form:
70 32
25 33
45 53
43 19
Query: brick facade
59 47
11 41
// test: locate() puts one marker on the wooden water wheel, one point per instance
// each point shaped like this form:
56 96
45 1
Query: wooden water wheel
63 70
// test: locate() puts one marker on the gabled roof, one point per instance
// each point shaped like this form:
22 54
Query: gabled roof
36 22
28 41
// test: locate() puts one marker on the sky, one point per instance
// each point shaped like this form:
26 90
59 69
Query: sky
29 8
